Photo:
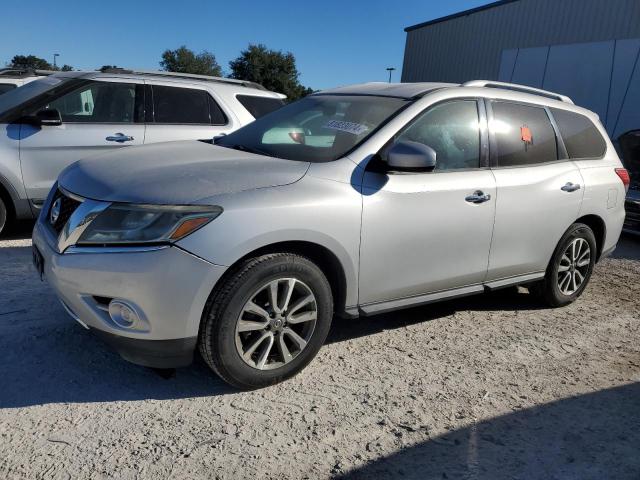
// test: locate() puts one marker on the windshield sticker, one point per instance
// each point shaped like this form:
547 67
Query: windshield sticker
349 127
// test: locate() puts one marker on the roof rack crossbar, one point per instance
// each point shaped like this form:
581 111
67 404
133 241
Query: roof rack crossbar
162 73
518 88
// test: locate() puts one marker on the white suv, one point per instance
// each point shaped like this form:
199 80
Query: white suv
12 78
56 120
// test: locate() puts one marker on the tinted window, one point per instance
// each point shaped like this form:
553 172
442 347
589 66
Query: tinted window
97 102
318 128
581 137
5 87
259 106
452 130
523 135
185 106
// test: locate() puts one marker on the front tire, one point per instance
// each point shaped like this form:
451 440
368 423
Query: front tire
570 268
3 215
266 320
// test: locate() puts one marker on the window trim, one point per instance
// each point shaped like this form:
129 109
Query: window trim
493 148
557 126
484 150
151 105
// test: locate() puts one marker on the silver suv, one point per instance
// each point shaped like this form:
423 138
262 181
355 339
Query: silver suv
52 122
351 201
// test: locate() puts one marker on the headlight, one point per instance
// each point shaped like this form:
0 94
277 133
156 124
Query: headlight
123 223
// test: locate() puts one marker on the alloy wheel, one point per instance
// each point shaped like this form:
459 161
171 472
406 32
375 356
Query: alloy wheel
276 323
574 266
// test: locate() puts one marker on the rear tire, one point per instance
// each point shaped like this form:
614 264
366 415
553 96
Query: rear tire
570 268
249 342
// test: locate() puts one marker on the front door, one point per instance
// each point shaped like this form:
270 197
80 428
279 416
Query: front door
96 117
430 232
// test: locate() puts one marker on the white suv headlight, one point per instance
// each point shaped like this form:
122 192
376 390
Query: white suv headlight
124 223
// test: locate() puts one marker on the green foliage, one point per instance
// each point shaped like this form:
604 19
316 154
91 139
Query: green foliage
184 60
30 61
273 69
35 63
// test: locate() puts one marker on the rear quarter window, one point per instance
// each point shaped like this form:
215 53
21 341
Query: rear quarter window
259 106
581 137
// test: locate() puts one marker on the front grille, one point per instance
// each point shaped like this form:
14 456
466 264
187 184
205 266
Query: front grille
68 205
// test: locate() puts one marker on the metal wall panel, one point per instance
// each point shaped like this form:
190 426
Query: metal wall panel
470 47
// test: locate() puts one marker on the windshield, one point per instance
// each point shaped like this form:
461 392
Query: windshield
18 96
318 128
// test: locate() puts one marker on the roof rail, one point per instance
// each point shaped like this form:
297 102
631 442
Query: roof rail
162 73
23 72
518 88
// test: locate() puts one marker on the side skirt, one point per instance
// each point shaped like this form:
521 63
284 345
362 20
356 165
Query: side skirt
418 300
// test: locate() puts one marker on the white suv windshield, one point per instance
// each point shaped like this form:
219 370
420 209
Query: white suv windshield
318 128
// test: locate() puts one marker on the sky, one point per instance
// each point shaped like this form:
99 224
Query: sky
334 42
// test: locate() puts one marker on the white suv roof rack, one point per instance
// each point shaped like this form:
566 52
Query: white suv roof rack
162 73
518 88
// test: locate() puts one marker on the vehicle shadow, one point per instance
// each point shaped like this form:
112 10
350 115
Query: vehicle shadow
596 435
46 357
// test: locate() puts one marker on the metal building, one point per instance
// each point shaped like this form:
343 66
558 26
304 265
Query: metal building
586 49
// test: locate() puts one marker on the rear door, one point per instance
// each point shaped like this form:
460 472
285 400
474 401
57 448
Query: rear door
97 115
179 112
539 191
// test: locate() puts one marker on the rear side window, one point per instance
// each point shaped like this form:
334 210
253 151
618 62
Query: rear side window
259 106
523 135
5 87
185 106
581 137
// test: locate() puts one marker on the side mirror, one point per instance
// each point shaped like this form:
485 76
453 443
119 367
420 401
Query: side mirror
48 117
411 156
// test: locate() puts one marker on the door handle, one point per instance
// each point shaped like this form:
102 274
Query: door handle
478 197
570 187
119 137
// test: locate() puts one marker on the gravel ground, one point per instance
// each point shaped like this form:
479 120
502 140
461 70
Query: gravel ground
485 387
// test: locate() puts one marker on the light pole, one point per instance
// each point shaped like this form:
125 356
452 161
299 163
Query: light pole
390 69
55 55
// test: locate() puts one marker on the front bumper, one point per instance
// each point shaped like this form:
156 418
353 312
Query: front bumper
168 288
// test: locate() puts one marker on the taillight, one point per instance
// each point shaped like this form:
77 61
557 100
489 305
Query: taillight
624 176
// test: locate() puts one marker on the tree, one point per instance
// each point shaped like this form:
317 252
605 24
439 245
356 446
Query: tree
36 63
184 60
273 69
30 62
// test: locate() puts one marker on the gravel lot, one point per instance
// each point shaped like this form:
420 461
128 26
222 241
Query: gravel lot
485 387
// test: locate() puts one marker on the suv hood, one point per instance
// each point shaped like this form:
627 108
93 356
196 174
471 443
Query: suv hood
176 173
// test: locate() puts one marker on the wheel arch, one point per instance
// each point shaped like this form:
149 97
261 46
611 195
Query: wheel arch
599 227
319 254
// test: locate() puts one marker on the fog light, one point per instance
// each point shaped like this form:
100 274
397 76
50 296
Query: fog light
122 314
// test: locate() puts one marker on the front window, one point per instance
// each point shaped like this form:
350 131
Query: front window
318 128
